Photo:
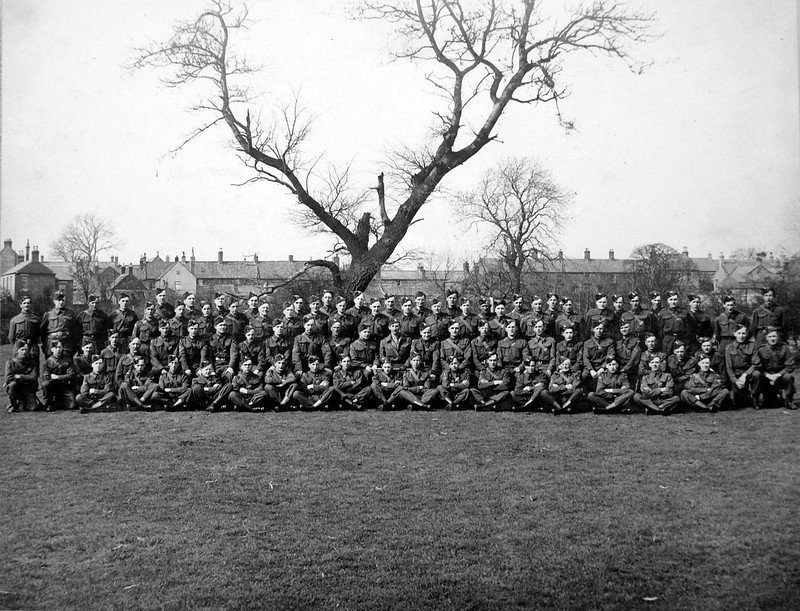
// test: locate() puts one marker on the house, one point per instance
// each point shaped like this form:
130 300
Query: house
35 279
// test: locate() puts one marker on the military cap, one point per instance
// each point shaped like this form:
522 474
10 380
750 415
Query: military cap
498 302
565 299
277 321
96 357
251 294
772 329
122 296
217 294
341 299
654 294
375 300
59 295
435 300
420 294
449 292
767 289
633 295
218 320
313 298
91 298
287 304
19 344
149 304
599 296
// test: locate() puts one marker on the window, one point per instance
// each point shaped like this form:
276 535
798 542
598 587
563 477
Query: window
23 282
177 272
177 285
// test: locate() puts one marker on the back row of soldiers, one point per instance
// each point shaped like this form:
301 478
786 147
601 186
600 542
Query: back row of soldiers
439 333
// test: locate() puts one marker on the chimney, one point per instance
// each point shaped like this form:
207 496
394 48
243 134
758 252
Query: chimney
35 254
611 255
6 244
183 257
141 262
685 252
771 257
255 258
560 255
28 250
291 258
587 255
219 256
466 266
122 270
192 261
421 270
721 260
710 257
176 258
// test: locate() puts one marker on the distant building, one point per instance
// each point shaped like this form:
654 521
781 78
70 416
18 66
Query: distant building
35 279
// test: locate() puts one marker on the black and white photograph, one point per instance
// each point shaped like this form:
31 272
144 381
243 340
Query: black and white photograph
419 304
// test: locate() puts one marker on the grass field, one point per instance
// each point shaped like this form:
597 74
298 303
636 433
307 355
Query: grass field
400 509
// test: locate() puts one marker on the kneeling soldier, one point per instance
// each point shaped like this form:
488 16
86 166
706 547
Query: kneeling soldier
21 379
59 376
777 367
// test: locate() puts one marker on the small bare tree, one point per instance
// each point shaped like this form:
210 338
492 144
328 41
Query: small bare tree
482 57
522 207
81 243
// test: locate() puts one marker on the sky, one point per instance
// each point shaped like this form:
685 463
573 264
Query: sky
701 150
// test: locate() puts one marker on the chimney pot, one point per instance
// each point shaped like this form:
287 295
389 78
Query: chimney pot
6 243
611 255
560 254
587 255
710 257
685 251
466 266
219 256
183 257
35 254
291 258
255 257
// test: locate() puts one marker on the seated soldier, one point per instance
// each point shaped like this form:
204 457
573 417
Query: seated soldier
705 388
437 320
613 389
708 349
126 363
594 353
531 388
656 393
512 350
395 347
362 355
494 385
305 345
455 346
112 354
569 348
173 390
208 391
377 322
650 350
221 351
162 348
386 384
254 350
410 323
742 363
417 390
82 362
565 387
59 375
428 350
22 380
280 382
482 346
542 349
679 366
97 390
192 351
777 369
314 390
277 345
137 388
628 351
248 391
348 385
454 384
335 347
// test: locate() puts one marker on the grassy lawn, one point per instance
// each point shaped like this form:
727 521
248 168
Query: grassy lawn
399 509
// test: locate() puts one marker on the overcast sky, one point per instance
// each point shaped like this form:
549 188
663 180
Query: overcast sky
702 150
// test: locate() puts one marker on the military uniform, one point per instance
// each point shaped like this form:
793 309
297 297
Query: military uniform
60 325
613 392
21 383
777 360
657 393
705 390
57 388
248 392
743 359
94 327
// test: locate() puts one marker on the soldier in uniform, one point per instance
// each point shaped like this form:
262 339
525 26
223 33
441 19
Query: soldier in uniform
254 350
335 347
595 351
112 354
613 389
147 328
179 323
305 346
639 319
499 322
518 311
671 326
494 385
550 316
359 309
348 386
221 352
314 389
570 348
280 382
410 323
599 313
21 379
395 347
768 314
236 322
208 392
261 323
207 321
656 393
362 353
617 310
26 327
279 345
777 369
164 309
60 324
451 303
94 324
389 308
705 388
570 318
565 387
59 375
743 362
697 324
190 302
418 389
193 352
529 320
512 350
386 385
162 348
377 322
220 309
327 307
628 352
248 391
455 346
482 346
349 324
123 319
726 323
420 309
428 350
467 320
437 320
542 350
97 389
454 384
173 390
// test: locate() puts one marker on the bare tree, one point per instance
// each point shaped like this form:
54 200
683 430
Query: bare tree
481 56
81 243
522 206
658 267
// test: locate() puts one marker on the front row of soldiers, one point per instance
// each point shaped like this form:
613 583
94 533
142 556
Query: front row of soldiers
326 372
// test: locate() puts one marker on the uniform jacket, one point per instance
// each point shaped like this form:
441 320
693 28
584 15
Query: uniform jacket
628 353
700 383
559 381
460 347
319 381
279 379
776 359
97 381
652 384
23 367
221 350
160 351
487 378
511 352
397 351
481 348
146 330
60 324
428 351
25 327
192 352
60 367
595 351
348 381
543 351
741 358
173 380
611 381
94 324
123 321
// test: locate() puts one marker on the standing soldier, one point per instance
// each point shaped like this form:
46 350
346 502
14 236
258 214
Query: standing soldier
179 323
377 322
146 330
25 327
518 311
277 346
639 319
395 347
163 348
327 306
670 323
59 378
420 309
550 316
221 351
164 309
410 323
123 319
595 351
451 303
726 323
390 308
349 325
768 314
236 322
570 318
94 324
261 323
208 322
599 313
252 307
529 320
220 309
335 347
468 322
60 324
191 312
321 324
697 324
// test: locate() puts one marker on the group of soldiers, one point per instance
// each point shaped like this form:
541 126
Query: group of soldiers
535 354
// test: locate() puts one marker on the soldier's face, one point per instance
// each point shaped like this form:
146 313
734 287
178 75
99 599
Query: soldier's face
247 366
91 306
706 347
250 335
389 303
374 307
234 308
179 310
22 352
454 328
160 298
420 301
728 305
263 309
426 333
694 306
387 368
336 328
656 302
97 366
192 330
612 366
327 298
252 303
148 313
618 304
415 362
314 366
565 365
601 303
772 338
139 367
568 334
518 303
465 308
511 330
58 302
500 310
538 328
655 363
25 306
57 349
704 364
134 346
358 301
451 301
345 363
314 307
635 303
207 310
86 350
672 301
436 307
340 307
123 303
219 301
394 328
740 335
768 297
552 302
679 351
536 304
568 307
492 361
189 301
406 308
624 330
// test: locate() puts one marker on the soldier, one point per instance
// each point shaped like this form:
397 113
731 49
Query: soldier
639 319
26 327
94 324
726 323
482 346
377 322
657 392
236 322
420 309
221 352
359 309
208 322
82 363
362 354
742 362
348 385
512 350
417 390
494 385
428 350
193 351
253 350
650 350
173 390
208 392
61 324
292 322
162 348
279 345
335 348
314 390
542 349
147 328
628 353
569 348
565 387
437 320
410 323
112 354
594 353
485 309
613 389
248 391
321 324
164 309
655 304
671 326
570 318
389 308
127 362
220 309
518 311
617 305
455 346
705 388
499 322
261 324
451 304
123 319
280 382
454 384
550 316
530 319
531 384
395 347
97 389
386 385
180 322
136 390
252 307
708 349
190 302
349 325
22 379
697 324
58 376
467 320
304 347
768 314
327 307
777 369
599 313
679 366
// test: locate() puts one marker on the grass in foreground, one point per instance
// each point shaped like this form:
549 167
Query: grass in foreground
406 509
